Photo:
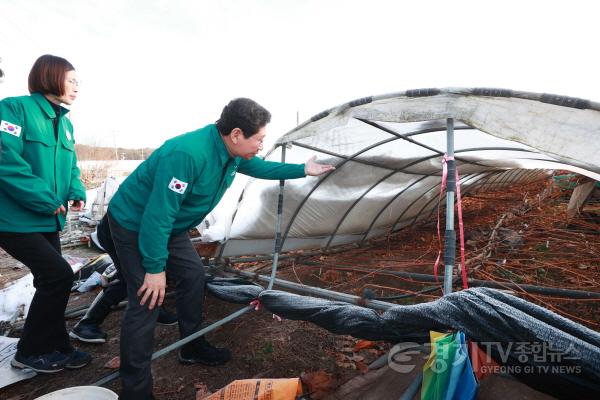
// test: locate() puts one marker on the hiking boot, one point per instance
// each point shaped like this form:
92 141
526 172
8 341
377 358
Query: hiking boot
201 352
88 331
166 318
45 363
77 359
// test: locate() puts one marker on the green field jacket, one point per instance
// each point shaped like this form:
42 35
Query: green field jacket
179 184
38 170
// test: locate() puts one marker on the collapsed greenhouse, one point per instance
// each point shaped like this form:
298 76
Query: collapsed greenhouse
400 160
390 153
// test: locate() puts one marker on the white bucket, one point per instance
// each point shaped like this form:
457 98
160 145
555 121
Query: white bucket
81 392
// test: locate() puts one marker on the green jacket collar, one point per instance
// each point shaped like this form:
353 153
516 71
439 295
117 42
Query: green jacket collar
219 145
44 104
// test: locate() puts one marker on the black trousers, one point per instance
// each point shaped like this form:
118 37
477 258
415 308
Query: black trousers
44 329
137 329
117 292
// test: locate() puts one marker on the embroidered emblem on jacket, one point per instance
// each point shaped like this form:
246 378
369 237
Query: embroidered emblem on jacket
177 186
10 128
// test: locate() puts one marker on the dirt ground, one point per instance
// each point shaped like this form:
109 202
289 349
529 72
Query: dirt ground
262 347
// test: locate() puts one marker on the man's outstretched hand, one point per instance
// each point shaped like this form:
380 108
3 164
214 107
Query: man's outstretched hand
313 168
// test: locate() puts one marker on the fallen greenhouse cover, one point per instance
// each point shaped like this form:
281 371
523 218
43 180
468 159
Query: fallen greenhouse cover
379 205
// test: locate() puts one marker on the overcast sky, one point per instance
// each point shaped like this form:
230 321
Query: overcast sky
153 69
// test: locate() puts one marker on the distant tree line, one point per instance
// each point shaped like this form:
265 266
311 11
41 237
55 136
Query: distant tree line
87 152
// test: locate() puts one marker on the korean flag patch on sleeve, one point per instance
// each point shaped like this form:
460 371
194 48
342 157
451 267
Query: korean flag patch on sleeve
177 186
10 128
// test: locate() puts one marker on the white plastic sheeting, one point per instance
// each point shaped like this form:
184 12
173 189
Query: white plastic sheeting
96 208
388 152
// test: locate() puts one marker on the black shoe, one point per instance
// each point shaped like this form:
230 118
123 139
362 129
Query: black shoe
166 318
88 331
77 359
45 363
202 352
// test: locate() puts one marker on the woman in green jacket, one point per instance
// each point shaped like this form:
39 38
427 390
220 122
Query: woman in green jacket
39 179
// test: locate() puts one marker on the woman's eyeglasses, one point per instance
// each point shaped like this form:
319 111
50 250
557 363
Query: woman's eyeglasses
74 82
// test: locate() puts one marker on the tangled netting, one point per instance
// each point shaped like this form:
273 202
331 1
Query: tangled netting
564 357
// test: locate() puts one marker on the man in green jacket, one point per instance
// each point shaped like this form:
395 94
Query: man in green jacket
148 219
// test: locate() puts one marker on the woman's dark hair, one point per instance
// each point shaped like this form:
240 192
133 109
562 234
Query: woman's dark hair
47 76
245 114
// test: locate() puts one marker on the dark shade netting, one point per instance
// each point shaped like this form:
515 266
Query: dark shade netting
546 351
234 290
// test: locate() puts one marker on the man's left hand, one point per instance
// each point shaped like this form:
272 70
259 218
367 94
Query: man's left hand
315 169
76 205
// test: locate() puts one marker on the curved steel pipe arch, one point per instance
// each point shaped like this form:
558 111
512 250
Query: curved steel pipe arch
375 145
398 170
471 177
466 177
488 176
408 139
349 210
418 198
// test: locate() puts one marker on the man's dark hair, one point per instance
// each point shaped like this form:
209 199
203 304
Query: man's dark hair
245 114
47 76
